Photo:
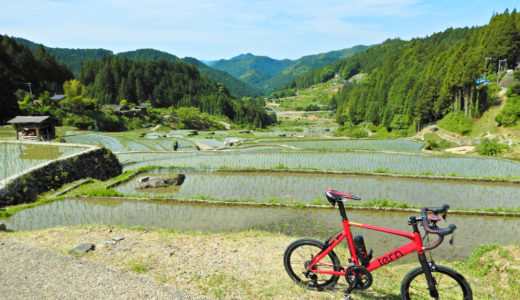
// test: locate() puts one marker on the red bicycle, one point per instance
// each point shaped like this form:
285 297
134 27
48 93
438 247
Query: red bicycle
314 264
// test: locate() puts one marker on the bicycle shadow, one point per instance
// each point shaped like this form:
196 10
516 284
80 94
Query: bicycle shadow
364 294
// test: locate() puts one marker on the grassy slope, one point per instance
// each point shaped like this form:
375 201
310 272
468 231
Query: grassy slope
487 127
487 124
248 265
320 94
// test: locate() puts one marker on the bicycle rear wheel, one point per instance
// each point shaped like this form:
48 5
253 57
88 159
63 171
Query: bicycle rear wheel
298 256
450 285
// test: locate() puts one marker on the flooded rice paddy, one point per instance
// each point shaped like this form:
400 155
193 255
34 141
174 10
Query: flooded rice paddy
126 143
395 145
351 161
299 222
18 157
302 187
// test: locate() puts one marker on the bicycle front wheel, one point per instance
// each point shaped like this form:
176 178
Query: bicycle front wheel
299 255
450 285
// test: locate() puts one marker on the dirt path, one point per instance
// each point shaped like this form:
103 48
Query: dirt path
30 272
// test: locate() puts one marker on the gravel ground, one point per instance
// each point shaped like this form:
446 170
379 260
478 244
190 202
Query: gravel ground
29 272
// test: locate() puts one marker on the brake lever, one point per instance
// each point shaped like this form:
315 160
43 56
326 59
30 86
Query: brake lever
452 239
445 216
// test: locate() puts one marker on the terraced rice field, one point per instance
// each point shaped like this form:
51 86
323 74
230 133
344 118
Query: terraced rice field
97 139
301 187
350 161
126 143
18 157
396 145
318 223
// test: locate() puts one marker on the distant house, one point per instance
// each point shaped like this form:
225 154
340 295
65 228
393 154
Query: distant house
140 107
126 111
40 128
58 97
337 76
148 105
117 107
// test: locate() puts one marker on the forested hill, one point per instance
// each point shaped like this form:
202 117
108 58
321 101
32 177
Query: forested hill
240 65
236 87
165 84
308 63
425 79
74 59
268 74
362 62
20 67
147 54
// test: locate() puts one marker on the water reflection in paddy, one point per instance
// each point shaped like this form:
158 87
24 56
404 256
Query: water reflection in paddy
262 186
320 223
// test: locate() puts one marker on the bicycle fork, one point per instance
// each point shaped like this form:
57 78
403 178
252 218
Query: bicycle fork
427 268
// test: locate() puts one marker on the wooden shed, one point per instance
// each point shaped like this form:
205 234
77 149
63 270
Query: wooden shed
40 128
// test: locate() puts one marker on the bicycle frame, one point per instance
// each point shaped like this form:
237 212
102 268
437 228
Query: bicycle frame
415 245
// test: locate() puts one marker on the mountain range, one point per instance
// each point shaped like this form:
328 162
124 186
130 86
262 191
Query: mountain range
269 74
245 75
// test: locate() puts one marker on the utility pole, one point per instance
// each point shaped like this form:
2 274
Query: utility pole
486 65
30 88
502 63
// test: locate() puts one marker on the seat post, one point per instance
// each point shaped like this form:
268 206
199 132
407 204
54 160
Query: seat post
342 210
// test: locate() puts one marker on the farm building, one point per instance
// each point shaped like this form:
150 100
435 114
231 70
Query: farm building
40 128
58 97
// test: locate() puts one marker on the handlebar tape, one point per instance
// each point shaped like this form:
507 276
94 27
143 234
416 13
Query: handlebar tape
436 210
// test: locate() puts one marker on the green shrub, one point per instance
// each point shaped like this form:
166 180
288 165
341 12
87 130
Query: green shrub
312 107
458 123
382 132
351 131
490 147
510 114
438 144
513 90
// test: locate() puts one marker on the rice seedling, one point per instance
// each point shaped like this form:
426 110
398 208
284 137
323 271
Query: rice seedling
309 188
319 223
350 161
395 145
97 139
16 158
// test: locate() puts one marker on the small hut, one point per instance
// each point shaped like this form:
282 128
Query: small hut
39 128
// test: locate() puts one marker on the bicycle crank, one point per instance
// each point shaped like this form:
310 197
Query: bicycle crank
358 278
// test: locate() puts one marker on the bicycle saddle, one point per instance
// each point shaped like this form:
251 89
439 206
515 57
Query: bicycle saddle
334 196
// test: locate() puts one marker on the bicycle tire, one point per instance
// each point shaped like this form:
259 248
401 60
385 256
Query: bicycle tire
415 286
295 258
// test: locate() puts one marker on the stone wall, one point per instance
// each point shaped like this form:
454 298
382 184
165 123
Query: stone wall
98 163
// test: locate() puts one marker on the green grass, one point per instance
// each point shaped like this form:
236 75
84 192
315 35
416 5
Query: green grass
458 123
496 270
493 270
138 266
102 192
435 142
487 124
16 208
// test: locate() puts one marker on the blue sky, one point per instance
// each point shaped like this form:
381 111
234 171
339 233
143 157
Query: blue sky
225 28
